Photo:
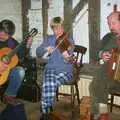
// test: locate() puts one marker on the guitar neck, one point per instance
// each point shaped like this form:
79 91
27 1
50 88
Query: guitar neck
32 33
16 49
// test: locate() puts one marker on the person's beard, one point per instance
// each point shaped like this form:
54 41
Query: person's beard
117 36
114 32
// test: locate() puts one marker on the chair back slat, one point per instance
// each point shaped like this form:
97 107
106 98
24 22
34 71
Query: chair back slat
79 50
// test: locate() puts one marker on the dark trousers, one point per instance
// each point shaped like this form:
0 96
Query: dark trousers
101 86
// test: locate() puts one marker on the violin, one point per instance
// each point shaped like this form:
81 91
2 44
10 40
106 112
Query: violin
63 44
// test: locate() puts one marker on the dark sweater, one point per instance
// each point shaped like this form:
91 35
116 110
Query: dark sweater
106 44
12 43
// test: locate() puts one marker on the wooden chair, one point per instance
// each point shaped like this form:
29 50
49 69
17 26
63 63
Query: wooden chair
79 50
111 100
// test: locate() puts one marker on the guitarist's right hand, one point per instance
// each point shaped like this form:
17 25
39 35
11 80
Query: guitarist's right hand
5 59
4 63
3 66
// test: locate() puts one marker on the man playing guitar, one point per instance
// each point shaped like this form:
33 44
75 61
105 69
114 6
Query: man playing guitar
17 73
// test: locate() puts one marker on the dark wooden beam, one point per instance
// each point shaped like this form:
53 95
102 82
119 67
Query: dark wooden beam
94 26
45 6
79 7
68 16
25 6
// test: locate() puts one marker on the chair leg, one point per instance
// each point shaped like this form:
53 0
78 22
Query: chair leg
72 95
57 99
77 92
111 103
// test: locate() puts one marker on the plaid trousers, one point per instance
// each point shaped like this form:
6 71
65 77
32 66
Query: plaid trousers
51 81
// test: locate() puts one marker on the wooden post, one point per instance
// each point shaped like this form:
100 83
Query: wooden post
68 16
25 5
45 6
94 26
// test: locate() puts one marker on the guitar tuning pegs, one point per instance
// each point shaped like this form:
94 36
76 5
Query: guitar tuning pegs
33 32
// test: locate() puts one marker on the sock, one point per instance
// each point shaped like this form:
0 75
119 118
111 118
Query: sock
103 108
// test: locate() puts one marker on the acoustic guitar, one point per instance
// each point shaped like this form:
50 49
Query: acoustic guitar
13 58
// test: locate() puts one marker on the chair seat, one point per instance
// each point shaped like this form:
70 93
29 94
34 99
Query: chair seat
71 82
111 99
75 78
116 93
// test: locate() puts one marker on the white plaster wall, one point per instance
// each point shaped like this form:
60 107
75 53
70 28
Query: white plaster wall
11 9
55 9
36 4
35 21
80 31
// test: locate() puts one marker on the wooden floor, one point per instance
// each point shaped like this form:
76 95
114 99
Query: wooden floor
61 107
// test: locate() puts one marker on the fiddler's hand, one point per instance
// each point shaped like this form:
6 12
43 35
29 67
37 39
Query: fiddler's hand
50 49
73 58
68 57
105 55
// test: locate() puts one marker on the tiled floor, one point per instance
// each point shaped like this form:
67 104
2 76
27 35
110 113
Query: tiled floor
62 107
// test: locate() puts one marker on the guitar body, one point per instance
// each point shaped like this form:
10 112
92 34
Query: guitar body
13 62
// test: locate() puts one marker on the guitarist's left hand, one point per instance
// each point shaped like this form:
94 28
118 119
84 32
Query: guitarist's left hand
29 42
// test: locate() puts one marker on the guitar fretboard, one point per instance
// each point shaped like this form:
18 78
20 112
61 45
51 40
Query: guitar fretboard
32 33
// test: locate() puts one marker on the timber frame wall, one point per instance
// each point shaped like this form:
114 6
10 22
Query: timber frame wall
69 15
25 6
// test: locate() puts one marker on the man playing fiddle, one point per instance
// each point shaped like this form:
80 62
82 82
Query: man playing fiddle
58 69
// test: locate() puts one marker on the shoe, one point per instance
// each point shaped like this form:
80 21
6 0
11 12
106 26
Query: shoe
51 108
10 99
47 115
48 110
44 116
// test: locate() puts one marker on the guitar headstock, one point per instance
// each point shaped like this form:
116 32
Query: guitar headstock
33 32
